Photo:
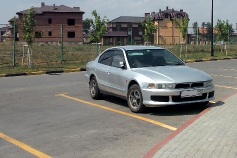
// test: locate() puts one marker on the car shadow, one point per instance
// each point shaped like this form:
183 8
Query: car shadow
173 110
176 110
115 100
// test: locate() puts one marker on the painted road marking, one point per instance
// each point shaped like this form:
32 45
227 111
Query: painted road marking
24 146
228 69
226 87
224 76
120 112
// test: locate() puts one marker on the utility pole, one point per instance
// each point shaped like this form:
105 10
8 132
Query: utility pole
212 35
14 44
62 39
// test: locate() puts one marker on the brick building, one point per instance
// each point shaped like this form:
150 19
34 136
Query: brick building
124 30
49 22
167 33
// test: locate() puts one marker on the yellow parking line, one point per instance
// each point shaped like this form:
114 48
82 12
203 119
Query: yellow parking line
24 146
226 87
224 76
120 112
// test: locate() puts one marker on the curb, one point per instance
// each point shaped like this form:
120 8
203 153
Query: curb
43 72
205 60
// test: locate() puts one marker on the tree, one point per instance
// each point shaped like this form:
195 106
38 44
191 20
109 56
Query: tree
87 25
223 29
183 27
206 31
28 27
98 27
196 31
195 28
150 28
182 24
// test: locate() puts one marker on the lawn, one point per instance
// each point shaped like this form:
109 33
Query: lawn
53 57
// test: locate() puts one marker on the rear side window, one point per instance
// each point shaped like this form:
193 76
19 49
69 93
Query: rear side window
106 58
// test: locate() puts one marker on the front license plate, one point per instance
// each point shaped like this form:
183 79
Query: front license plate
191 93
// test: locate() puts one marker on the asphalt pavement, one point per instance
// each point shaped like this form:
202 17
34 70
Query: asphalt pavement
212 133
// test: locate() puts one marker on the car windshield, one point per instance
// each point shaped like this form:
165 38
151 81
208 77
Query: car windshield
151 57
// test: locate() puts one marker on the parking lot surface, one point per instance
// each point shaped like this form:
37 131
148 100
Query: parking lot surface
53 115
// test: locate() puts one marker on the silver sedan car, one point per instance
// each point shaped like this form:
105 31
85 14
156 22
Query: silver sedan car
147 76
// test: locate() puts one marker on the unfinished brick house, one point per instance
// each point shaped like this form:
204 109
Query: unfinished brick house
49 22
124 30
167 33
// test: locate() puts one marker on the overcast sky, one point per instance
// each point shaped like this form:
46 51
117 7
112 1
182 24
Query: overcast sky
198 10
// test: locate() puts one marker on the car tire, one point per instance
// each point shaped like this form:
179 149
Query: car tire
134 99
94 89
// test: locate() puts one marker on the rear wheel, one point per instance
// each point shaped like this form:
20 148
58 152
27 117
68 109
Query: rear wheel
94 89
134 99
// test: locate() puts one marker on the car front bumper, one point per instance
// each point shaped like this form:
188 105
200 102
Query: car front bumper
166 97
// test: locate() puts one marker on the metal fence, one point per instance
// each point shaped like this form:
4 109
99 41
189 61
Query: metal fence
62 46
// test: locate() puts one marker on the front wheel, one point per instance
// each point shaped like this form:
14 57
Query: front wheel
134 99
94 89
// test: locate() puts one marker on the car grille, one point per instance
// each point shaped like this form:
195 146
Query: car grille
179 99
189 85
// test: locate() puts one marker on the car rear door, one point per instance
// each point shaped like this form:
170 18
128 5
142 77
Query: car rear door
104 63
116 75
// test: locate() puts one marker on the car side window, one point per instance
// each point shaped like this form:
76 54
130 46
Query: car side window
106 58
118 57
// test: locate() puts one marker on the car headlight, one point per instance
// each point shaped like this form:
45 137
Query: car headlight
161 86
207 83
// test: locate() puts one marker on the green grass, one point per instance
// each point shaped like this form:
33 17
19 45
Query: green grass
47 57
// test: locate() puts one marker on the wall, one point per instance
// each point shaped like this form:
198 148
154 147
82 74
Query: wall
58 19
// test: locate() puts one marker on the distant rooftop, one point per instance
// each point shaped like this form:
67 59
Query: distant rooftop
128 19
168 12
53 8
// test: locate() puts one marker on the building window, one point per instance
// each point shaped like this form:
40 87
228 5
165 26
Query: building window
118 27
49 21
38 34
71 21
71 35
50 33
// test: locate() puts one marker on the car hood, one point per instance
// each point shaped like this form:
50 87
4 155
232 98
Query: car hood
173 74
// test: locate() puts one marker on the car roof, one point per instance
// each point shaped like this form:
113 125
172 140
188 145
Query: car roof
134 47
